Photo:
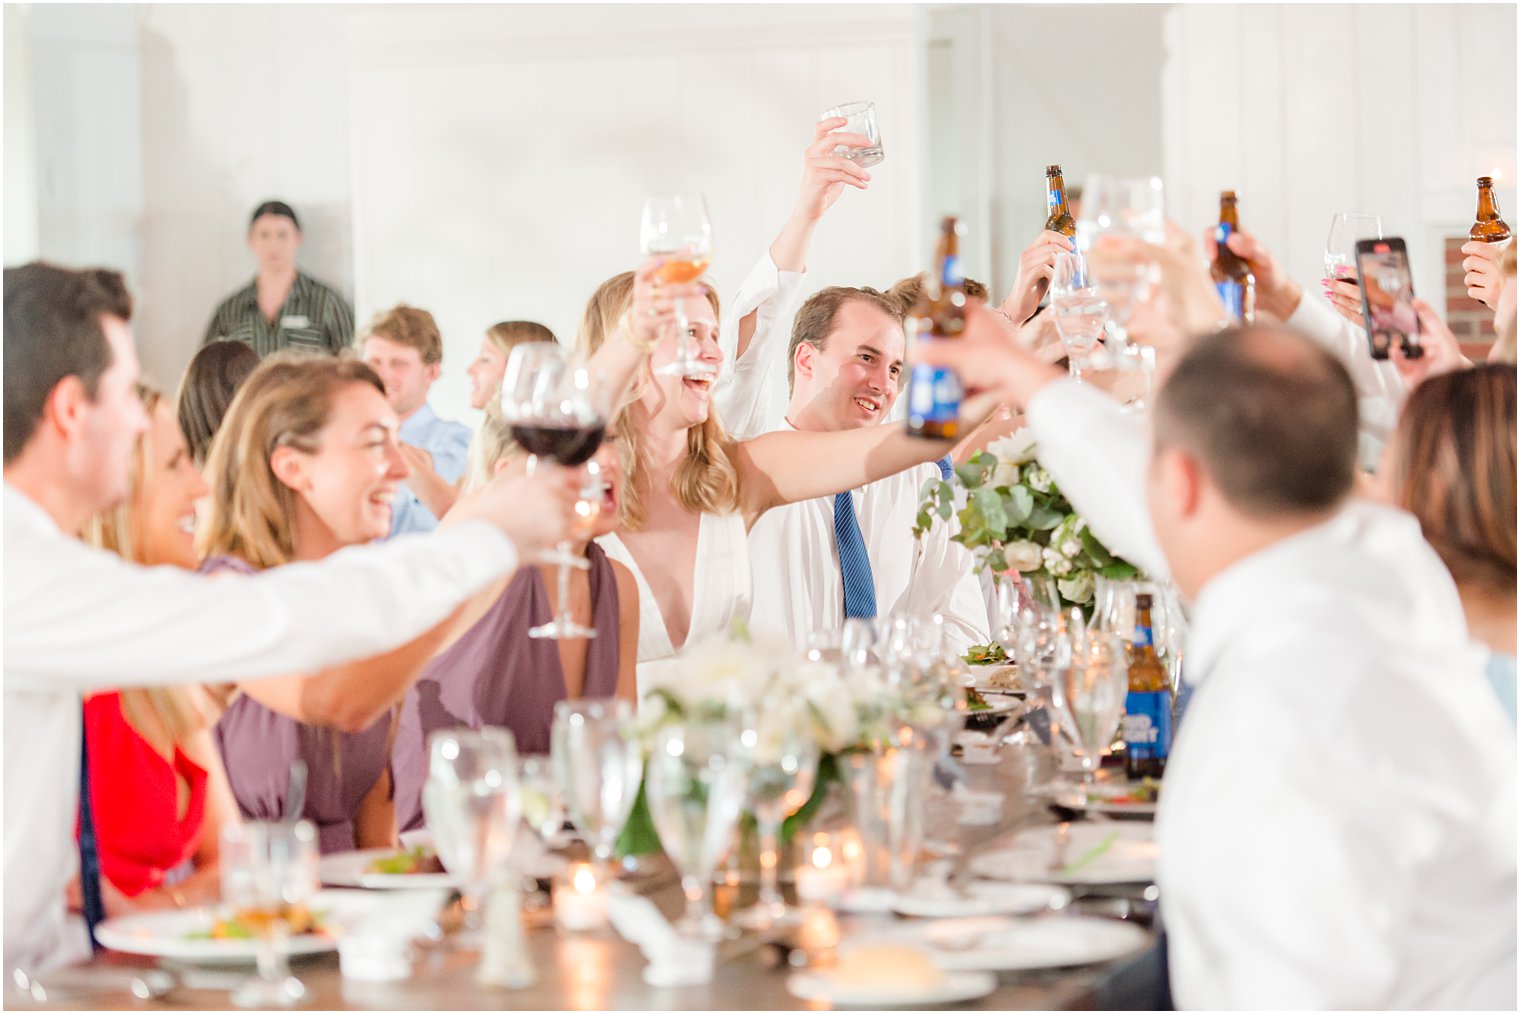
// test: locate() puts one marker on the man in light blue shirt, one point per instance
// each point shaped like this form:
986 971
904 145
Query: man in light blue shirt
404 347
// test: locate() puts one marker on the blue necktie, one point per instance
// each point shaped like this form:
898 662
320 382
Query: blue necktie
854 565
89 855
946 470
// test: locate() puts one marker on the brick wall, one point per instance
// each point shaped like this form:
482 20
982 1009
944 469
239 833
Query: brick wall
1469 320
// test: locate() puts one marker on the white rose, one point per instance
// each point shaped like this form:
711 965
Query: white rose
1079 589
1070 548
1023 555
1039 480
1016 448
1005 475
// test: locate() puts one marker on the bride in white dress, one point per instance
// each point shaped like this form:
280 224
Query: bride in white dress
691 493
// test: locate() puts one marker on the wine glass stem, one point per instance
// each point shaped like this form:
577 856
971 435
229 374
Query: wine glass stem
696 900
471 900
770 855
273 966
566 616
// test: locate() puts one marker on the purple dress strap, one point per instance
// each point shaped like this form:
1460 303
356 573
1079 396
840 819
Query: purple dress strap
496 675
258 747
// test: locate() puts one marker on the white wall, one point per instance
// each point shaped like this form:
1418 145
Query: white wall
21 234
501 155
1310 109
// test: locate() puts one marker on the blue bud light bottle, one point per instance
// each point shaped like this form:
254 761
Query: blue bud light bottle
934 393
1233 278
1148 708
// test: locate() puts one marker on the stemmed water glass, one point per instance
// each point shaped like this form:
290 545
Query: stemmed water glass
1080 313
1093 672
695 784
557 407
597 766
472 805
782 758
269 867
1346 229
675 227
1122 206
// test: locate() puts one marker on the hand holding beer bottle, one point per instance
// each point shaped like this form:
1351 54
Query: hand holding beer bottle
934 392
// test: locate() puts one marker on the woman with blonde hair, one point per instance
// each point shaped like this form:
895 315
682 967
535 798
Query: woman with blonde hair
692 493
306 463
1451 463
158 793
492 441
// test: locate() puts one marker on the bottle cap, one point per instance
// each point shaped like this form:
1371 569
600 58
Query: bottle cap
1052 170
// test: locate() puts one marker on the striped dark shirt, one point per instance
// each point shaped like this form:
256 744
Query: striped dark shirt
314 317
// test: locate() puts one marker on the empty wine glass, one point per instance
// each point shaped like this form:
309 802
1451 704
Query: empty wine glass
1080 313
782 758
556 406
597 765
1122 206
472 805
1346 229
675 227
269 869
695 785
1093 672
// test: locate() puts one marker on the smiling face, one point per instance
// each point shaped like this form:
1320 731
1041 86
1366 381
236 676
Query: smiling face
485 372
406 377
683 402
105 428
345 488
609 461
171 484
274 240
855 379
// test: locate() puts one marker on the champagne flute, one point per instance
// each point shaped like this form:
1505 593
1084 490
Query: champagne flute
1080 313
473 806
1346 228
676 228
695 785
597 765
782 758
556 407
268 869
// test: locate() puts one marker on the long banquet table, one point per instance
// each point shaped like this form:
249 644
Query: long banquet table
600 971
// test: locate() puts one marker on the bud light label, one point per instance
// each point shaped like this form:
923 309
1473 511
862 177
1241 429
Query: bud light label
1053 198
934 395
1148 724
1222 233
952 276
1233 296
1142 638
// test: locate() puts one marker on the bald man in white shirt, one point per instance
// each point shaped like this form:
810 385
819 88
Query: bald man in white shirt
1338 825
80 619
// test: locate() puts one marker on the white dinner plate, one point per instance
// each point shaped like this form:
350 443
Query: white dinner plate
999 705
171 933
985 897
1009 945
984 675
820 987
351 869
1099 802
1129 859
528 852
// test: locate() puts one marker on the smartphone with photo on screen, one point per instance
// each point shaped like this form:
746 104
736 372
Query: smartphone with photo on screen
1382 267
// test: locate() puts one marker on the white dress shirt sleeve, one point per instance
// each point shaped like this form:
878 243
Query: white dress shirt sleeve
1098 457
749 391
83 618
945 581
1380 390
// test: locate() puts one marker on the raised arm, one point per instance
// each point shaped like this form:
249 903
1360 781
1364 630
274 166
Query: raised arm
754 331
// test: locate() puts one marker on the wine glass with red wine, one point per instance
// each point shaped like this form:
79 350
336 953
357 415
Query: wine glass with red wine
675 227
556 408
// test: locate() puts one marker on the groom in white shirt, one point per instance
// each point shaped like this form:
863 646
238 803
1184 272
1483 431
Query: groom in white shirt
845 370
1337 828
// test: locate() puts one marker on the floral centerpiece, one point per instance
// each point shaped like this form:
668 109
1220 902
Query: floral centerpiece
1017 523
758 675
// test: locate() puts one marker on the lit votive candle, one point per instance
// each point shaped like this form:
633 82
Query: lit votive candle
822 876
580 902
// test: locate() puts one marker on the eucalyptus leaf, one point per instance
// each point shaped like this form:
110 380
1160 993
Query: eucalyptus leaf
990 505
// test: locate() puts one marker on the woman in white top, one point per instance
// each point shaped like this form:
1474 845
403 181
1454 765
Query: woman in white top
691 492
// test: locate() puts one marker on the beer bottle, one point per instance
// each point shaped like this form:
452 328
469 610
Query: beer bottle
1489 228
1148 708
934 392
1232 276
1059 219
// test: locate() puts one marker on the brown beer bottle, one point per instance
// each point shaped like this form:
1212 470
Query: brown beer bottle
1059 219
1489 228
1232 276
934 392
1148 708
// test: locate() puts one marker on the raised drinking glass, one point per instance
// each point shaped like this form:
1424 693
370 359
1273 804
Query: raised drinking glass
676 228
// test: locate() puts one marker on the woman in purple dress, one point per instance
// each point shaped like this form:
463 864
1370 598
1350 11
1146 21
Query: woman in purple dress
306 463
496 675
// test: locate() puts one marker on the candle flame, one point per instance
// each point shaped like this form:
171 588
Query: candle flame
585 880
822 857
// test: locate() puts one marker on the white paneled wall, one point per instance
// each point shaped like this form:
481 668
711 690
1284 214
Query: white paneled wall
1310 109
501 156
